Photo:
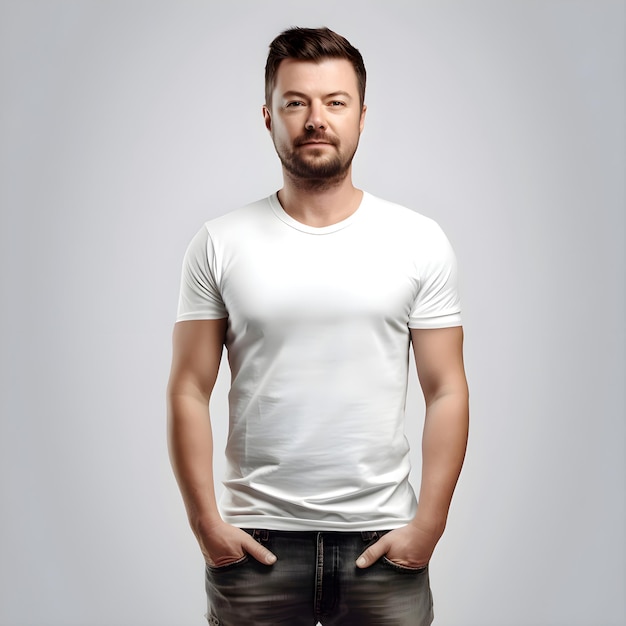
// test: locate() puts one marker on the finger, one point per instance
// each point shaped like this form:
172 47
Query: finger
259 552
372 554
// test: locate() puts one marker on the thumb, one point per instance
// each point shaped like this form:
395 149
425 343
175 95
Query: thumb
372 554
259 552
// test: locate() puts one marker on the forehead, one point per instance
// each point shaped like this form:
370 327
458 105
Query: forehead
312 77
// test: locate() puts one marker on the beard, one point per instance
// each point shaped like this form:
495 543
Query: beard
315 168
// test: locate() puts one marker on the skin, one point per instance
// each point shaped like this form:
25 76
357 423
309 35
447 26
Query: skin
316 102
439 360
196 356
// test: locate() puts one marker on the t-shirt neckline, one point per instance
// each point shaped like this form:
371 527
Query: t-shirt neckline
283 216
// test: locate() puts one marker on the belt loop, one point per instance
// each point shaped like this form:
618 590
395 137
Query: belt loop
261 534
369 535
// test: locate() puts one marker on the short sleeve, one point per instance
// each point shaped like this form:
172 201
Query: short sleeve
200 297
437 304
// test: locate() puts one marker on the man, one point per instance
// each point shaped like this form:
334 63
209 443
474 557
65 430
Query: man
317 292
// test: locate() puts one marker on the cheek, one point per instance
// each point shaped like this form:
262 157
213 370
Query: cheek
281 138
285 132
279 134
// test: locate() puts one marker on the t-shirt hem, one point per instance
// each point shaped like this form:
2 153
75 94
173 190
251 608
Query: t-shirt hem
186 317
266 522
440 321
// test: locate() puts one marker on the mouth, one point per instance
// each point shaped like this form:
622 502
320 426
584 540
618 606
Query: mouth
313 140
315 143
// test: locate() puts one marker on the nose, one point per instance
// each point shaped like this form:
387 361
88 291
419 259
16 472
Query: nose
315 119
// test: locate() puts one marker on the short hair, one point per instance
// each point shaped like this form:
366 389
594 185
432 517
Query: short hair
311 44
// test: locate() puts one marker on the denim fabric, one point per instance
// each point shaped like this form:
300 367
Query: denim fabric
315 579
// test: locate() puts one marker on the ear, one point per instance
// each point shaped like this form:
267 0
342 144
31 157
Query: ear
267 116
362 120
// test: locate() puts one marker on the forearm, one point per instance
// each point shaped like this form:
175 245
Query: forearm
443 450
443 443
190 442
191 451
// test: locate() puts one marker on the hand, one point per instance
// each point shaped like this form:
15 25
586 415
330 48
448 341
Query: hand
222 543
409 546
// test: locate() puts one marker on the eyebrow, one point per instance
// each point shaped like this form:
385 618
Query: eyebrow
334 94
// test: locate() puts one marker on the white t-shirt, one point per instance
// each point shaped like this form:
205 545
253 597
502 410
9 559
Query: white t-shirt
318 345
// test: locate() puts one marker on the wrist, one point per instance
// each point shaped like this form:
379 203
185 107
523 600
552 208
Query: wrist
205 523
429 522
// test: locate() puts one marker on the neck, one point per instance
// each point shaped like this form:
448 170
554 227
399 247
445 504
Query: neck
319 203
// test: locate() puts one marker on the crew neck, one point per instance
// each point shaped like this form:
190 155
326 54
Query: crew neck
284 217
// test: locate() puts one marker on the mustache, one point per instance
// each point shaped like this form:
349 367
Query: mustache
315 136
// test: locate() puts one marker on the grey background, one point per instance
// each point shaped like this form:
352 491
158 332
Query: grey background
125 125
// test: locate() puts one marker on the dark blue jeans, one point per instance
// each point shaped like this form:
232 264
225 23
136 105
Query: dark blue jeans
315 579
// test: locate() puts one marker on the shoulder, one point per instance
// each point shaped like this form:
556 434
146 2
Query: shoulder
237 220
233 227
401 221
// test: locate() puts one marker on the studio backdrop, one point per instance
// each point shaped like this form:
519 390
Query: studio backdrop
124 125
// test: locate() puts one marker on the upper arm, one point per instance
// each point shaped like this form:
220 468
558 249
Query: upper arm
439 361
196 354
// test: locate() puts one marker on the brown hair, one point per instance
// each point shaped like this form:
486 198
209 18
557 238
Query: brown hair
311 44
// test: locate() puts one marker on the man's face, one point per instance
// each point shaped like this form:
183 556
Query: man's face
315 118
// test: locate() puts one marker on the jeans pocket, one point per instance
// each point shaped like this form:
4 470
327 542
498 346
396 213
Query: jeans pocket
402 568
227 566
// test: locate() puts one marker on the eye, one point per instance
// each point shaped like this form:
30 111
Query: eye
337 103
294 104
